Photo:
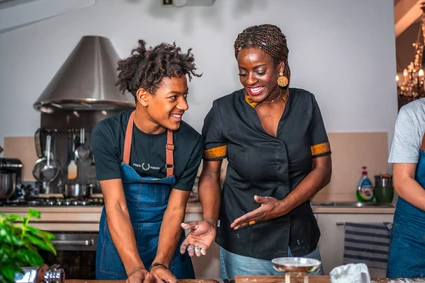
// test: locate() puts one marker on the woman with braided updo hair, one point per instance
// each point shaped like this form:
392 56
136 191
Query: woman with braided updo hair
278 157
146 162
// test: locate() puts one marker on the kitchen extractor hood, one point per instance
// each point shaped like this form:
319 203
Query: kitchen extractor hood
86 81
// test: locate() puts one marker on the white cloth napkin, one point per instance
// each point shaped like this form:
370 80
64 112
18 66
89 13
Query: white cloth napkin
350 273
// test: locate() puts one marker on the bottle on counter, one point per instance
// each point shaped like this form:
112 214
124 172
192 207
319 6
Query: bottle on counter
365 187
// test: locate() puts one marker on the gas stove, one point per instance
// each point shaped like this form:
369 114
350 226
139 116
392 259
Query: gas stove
54 201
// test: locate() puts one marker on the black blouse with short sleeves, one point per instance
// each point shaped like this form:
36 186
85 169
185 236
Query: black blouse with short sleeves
261 164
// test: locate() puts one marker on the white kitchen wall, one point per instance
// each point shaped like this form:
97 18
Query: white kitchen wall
341 50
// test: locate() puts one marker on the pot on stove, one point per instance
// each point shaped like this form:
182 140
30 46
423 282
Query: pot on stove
77 190
10 175
7 184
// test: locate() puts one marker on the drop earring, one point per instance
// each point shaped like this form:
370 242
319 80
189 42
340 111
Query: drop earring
282 80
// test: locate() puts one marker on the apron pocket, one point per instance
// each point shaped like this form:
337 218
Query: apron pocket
147 236
110 261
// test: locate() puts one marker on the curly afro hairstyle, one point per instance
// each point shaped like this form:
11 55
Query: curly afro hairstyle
268 38
146 68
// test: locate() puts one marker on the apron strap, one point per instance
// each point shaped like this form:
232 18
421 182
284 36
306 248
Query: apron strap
169 159
128 138
423 142
169 147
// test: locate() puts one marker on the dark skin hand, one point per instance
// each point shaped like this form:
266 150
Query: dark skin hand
200 233
140 275
162 274
272 208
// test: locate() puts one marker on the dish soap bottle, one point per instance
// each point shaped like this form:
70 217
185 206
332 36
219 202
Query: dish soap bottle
365 188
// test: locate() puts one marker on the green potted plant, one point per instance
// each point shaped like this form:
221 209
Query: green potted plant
19 243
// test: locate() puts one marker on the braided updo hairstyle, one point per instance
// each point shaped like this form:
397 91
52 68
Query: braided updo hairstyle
146 68
268 38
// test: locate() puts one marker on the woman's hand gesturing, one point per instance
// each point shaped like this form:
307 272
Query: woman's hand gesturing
269 209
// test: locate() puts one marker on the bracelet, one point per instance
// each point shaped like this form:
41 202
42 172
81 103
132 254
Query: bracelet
157 264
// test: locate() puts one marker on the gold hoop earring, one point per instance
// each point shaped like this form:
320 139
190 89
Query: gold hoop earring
282 80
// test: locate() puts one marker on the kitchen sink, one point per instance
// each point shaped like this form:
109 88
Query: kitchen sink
351 204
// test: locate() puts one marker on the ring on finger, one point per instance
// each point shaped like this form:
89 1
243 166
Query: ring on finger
252 222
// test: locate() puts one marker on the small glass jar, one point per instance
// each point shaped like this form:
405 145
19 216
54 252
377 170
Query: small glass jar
384 190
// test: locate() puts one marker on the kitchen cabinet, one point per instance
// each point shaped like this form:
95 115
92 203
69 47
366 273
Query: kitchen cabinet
331 244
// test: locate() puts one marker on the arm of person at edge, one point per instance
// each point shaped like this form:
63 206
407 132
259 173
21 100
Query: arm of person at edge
202 233
271 207
406 186
122 233
169 235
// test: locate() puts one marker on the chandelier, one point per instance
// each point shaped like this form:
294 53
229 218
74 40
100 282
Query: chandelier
411 86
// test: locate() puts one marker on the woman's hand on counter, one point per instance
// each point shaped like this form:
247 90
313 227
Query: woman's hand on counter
199 239
163 274
140 275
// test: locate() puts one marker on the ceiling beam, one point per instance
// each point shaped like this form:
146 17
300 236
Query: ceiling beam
406 12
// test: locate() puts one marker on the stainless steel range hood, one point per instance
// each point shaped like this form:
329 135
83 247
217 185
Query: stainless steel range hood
86 81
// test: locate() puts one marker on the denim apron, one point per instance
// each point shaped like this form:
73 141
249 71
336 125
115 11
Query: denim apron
406 256
147 199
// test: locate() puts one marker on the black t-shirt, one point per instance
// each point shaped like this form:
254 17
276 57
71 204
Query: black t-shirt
147 155
264 165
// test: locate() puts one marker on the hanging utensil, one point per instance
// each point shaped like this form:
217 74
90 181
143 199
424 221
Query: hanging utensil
72 169
46 169
39 142
82 152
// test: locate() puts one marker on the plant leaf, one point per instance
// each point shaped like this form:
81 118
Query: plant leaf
14 218
41 234
31 258
5 253
19 244
9 272
33 213
10 237
33 240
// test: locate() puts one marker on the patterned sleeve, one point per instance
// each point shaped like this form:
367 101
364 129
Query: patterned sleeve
215 146
319 139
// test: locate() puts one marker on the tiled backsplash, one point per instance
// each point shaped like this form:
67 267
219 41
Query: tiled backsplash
350 151
22 148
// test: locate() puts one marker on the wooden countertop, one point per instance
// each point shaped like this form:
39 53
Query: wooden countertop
194 207
314 279
265 279
73 218
86 218
353 210
122 281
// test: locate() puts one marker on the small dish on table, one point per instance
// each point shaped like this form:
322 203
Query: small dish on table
295 266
